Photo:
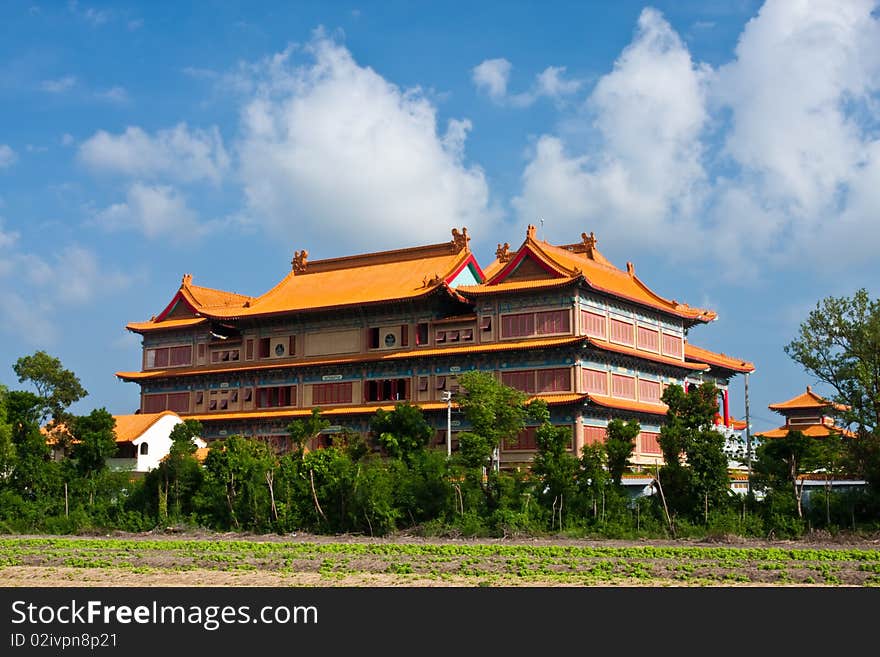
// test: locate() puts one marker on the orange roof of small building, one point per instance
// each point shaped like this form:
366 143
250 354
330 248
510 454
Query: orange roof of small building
695 353
811 431
126 429
807 400
130 427
571 263
335 282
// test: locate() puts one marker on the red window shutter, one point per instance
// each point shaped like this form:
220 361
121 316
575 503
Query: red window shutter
154 403
623 386
672 345
404 335
178 402
650 443
649 339
264 347
162 357
249 349
291 346
201 351
594 435
622 331
373 338
649 391
593 324
595 381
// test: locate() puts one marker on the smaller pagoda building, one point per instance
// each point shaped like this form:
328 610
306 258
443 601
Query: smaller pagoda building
809 413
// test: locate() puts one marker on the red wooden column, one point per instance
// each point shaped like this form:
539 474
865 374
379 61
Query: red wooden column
726 408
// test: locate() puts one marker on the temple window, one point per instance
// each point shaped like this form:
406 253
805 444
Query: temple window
422 333
386 389
332 393
144 449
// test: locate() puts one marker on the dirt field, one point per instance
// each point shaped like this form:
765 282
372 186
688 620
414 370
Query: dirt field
202 559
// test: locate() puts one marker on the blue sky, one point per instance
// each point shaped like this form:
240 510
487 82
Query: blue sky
730 150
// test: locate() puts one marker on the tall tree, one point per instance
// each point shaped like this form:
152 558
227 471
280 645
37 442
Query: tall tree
781 462
95 441
554 464
839 344
402 432
303 432
179 472
56 386
496 413
620 442
694 477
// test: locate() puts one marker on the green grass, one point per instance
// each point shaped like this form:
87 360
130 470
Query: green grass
495 563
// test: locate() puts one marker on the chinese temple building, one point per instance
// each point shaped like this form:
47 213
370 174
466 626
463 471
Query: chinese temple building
809 413
354 334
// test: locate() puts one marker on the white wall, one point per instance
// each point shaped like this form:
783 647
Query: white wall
158 442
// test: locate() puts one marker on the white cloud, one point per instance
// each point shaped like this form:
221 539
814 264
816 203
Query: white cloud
95 17
114 95
178 153
791 122
34 288
492 77
58 86
67 139
154 210
802 92
646 179
7 156
331 147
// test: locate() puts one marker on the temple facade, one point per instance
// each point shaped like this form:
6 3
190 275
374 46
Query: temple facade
354 334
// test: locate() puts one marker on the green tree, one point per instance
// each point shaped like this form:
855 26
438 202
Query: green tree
781 462
496 413
694 476
839 344
56 386
179 474
554 464
236 492
402 432
592 477
620 442
7 446
303 432
95 441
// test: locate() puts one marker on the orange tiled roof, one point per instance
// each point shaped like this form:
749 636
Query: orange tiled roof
628 405
694 353
570 262
152 325
647 355
512 345
337 282
127 427
809 399
360 409
812 431
130 427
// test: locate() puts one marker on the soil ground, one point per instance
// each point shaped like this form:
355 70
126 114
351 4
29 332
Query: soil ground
292 562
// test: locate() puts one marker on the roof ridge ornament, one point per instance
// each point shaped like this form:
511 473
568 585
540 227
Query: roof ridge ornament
590 240
530 232
630 269
460 239
299 262
186 280
503 252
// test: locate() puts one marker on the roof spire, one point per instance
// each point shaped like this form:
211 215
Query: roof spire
186 280
460 240
300 259
530 232
589 240
503 252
